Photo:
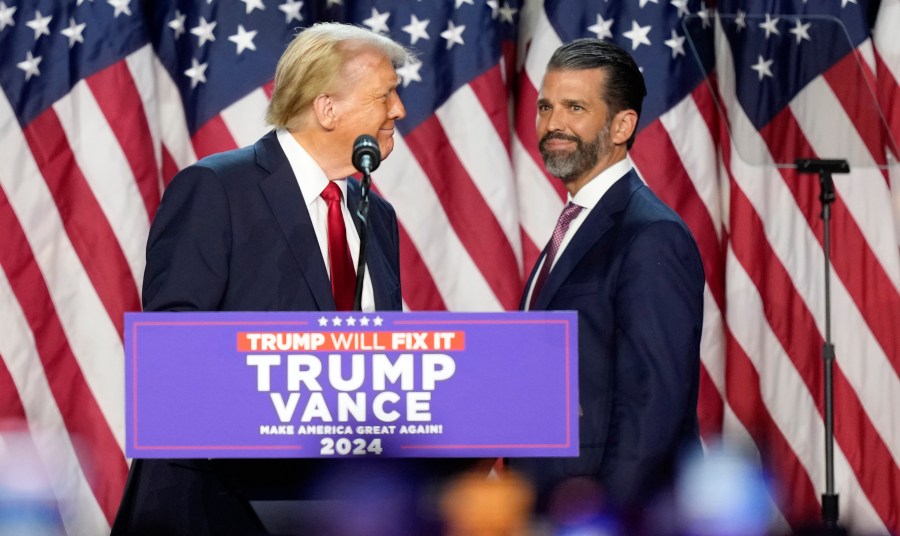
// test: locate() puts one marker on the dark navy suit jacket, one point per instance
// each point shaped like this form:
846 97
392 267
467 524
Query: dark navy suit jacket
233 234
634 274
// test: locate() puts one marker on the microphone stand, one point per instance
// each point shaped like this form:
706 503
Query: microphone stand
363 213
825 168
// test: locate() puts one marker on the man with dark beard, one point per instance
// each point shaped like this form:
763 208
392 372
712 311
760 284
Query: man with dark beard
630 267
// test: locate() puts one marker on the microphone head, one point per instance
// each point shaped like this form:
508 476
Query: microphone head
366 154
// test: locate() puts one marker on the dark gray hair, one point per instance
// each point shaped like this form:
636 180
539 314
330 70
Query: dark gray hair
624 88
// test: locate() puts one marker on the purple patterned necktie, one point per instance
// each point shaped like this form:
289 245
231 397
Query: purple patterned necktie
562 225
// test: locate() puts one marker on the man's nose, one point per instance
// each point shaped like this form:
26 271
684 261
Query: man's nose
397 110
555 122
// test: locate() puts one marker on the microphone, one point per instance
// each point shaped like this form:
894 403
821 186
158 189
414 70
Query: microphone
366 158
366 154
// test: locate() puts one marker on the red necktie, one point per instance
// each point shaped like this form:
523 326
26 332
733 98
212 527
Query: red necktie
562 225
343 276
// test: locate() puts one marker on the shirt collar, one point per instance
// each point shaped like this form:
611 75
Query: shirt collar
589 194
309 175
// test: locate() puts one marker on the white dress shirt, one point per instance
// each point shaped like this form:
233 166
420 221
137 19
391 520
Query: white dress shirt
312 181
587 198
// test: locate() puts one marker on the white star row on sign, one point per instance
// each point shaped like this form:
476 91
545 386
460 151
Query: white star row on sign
351 321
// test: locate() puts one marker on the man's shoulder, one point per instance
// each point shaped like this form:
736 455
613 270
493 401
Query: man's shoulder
644 213
227 161
265 150
376 202
227 168
643 203
382 203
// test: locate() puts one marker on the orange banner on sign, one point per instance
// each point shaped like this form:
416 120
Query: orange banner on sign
306 341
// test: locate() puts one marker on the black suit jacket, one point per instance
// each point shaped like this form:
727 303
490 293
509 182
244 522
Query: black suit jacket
633 273
233 234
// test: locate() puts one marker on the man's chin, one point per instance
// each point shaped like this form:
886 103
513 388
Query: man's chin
386 147
556 155
562 169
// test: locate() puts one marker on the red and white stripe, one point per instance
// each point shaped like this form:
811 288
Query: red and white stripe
887 71
68 278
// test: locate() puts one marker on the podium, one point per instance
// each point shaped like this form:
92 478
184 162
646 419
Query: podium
287 407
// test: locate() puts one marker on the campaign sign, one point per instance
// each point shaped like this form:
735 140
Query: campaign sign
349 384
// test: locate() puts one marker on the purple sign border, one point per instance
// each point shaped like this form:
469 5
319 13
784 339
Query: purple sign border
567 319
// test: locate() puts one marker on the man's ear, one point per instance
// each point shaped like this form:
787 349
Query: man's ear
623 126
323 108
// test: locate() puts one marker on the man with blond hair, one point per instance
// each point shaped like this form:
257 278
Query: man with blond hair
251 230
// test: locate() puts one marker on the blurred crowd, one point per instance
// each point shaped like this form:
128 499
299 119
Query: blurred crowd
722 491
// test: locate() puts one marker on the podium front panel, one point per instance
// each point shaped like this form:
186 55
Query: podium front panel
349 384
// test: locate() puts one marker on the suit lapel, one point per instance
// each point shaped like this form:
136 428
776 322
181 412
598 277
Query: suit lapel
530 280
285 200
598 222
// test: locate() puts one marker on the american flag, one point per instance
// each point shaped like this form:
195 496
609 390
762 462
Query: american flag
734 93
104 100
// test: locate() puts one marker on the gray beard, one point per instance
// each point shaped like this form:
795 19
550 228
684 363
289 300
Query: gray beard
569 166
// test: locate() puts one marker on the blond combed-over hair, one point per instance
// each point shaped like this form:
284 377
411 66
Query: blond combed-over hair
311 65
